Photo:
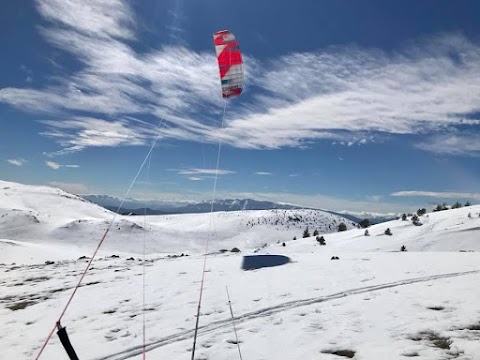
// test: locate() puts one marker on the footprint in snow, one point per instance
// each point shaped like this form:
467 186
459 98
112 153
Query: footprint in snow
278 322
234 342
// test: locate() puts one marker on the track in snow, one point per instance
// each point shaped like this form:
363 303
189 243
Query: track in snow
221 324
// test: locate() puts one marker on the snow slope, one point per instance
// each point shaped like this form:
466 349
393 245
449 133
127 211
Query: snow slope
380 305
450 230
34 214
373 303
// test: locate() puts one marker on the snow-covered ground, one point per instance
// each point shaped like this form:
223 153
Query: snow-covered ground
375 302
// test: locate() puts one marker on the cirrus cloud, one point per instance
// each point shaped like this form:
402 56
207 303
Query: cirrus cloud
17 162
331 94
439 195
55 166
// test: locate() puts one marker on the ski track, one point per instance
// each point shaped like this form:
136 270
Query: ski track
221 324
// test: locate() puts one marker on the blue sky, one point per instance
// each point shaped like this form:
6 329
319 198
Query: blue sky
348 105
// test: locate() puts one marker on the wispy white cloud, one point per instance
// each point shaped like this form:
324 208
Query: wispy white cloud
92 17
27 72
439 195
263 173
79 133
344 94
453 144
421 89
375 198
17 162
204 172
197 174
55 166
52 165
75 188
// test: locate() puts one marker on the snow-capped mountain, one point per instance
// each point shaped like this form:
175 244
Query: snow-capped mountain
156 207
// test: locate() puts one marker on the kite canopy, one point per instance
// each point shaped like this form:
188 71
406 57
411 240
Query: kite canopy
230 63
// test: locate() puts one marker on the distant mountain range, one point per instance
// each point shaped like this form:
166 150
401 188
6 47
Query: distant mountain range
373 218
138 207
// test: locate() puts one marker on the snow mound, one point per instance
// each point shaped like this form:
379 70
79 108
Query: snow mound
449 230
51 204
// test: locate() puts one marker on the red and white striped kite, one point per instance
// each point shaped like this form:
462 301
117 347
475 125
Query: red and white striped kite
230 63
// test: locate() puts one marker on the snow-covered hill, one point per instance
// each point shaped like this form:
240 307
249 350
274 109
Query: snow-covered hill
48 204
36 214
450 230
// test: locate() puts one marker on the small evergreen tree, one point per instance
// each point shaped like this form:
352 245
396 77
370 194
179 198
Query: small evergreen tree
404 217
364 223
457 205
468 203
421 212
441 207
306 233
388 231
321 240
294 238
416 221
403 248
342 227
315 233
469 215
367 233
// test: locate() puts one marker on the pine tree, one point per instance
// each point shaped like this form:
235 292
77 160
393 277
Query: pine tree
457 205
315 233
342 227
416 221
321 240
441 207
388 231
404 217
367 233
421 212
364 223
306 233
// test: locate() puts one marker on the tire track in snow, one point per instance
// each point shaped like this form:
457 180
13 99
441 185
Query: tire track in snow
265 312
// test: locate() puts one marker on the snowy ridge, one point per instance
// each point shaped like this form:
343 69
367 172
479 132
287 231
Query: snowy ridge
47 203
47 215
450 230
